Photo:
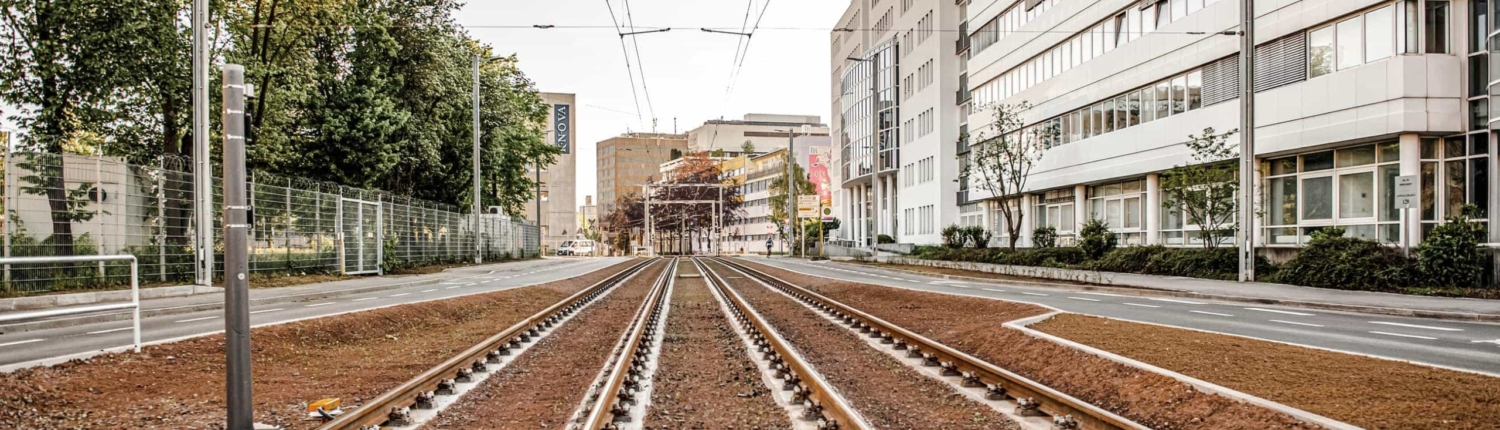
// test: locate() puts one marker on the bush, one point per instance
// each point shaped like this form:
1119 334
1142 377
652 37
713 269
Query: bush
1451 256
1044 237
1049 257
884 239
1131 259
1096 239
1206 263
953 236
1333 261
977 235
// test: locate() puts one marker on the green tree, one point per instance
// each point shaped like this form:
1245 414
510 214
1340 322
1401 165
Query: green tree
1001 161
1205 189
748 147
778 201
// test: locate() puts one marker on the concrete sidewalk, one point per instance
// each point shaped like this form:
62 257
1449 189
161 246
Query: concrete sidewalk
259 296
1253 292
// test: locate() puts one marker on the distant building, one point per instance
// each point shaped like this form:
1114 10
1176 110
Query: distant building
588 218
758 172
558 186
767 132
628 161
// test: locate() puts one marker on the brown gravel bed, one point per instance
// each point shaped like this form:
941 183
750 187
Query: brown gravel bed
543 386
1367 392
354 356
973 325
888 393
706 379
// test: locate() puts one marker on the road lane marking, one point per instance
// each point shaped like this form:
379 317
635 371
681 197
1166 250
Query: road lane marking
402 294
1425 327
1084 299
266 310
468 284
960 286
1404 335
366 298
21 342
195 319
1033 294
1296 323
992 289
452 287
1175 301
1300 314
1144 306
110 330
429 291
314 305
1212 313
1100 294
898 279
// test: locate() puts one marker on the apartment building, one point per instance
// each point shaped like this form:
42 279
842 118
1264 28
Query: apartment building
899 107
554 202
757 173
766 132
1350 94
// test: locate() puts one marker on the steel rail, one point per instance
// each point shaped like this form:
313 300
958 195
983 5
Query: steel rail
822 401
419 391
1030 396
622 383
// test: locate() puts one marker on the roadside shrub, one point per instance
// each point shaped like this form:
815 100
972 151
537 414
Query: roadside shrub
1333 261
1044 237
884 239
1130 259
1451 256
1096 239
953 236
1207 263
1048 257
977 235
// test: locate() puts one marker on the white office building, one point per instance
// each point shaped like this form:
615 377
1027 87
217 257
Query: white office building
898 112
1350 95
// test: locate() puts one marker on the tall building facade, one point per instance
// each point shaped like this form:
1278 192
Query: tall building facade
898 109
766 132
1350 95
756 173
628 161
555 199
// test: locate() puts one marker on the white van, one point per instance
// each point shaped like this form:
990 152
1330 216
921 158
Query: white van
581 247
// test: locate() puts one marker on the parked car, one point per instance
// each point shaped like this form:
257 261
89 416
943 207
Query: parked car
582 247
566 248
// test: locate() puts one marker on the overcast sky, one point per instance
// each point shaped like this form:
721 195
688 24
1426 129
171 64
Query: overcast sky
686 70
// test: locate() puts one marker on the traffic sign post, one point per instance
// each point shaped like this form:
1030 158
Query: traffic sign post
1408 194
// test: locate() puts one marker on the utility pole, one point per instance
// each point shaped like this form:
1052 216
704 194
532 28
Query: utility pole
236 254
478 250
203 240
791 190
1247 141
536 165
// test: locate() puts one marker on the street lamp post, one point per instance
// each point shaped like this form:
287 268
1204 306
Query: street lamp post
1247 141
478 196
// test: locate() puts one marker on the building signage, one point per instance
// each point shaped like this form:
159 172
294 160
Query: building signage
807 206
817 173
1408 192
562 125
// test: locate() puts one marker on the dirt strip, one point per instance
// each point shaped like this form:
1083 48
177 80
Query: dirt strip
354 356
706 379
972 325
1367 392
885 391
543 386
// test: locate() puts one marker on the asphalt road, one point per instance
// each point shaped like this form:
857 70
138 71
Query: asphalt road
1458 345
49 343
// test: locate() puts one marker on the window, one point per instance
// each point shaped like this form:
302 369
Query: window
1195 90
1320 52
1121 206
1353 188
1436 29
1380 33
1454 173
1179 94
1349 32
1479 27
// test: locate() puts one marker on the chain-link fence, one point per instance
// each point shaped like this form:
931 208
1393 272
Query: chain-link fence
81 205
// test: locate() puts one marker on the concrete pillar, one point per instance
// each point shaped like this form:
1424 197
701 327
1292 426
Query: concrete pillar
1153 209
1411 164
1028 219
1080 212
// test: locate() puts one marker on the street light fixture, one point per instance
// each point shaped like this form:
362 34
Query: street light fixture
478 248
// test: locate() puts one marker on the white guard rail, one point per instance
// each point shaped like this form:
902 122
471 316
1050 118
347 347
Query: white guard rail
135 290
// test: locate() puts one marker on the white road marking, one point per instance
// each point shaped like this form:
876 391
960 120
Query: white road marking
992 289
1174 301
1296 323
960 286
1084 299
366 298
266 310
1100 294
1496 341
469 284
110 330
314 305
429 291
21 342
1033 294
1425 327
898 279
1141 305
195 319
1300 314
452 287
402 294
1212 313
1404 335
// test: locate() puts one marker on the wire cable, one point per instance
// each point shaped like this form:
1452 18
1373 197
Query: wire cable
640 66
628 71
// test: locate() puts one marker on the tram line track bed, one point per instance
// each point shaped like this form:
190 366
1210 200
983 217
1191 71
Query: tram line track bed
356 357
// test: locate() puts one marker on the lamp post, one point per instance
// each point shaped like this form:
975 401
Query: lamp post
478 196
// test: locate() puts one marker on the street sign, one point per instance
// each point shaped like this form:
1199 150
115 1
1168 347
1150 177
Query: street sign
807 206
827 213
1408 193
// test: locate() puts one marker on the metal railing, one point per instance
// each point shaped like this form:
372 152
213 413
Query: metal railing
135 291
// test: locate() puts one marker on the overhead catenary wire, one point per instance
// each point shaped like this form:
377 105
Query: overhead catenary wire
628 71
658 28
640 65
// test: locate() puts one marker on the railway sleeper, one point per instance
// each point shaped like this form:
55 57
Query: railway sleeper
479 366
971 380
398 417
465 375
446 387
1065 422
949 368
994 392
425 400
1028 407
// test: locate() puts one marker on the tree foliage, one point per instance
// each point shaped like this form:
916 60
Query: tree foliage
673 223
778 201
1206 188
1001 161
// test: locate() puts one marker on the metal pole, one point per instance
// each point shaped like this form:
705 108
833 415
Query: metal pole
791 191
236 261
202 170
874 232
477 250
536 166
161 221
646 189
1247 141
9 206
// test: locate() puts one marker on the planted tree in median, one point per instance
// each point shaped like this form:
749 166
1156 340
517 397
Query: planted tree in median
1001 161
1206 189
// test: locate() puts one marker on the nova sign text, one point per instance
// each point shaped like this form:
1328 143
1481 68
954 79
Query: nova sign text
561 124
